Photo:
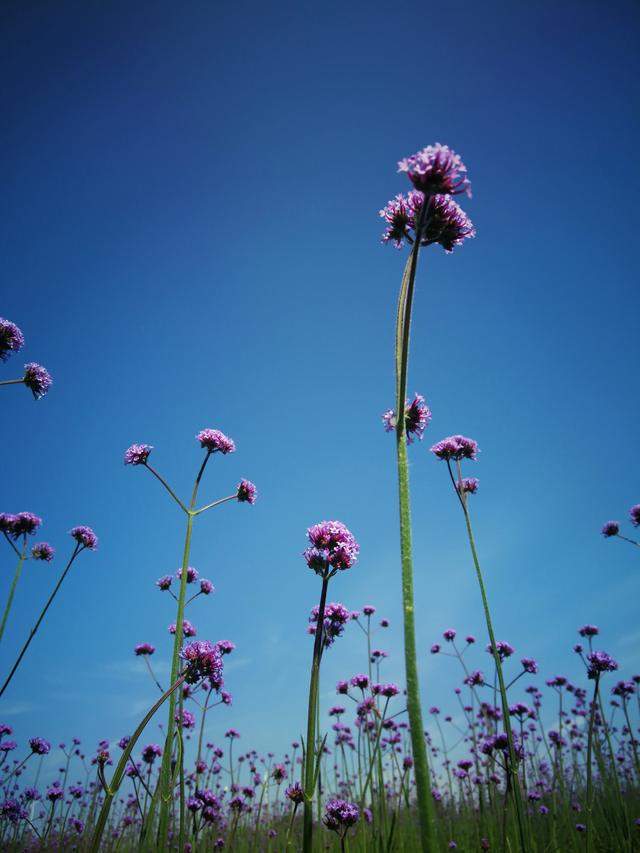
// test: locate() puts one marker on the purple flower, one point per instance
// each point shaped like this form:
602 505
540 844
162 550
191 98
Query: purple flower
417 416
295 793
164 582
54 793
39 746
634 513
529 665
470 639
505 650
342 687
455 447
435 648
436 169
333 547
589 631
361 680
232 733
144 649
475 679
449 635
386 690
43 551
11 338
600 662
24 524
225 647
215 441
37 379
399 216
247 492
192 574
188 629
7 520
206 587
469 485
151 752
137 454
368 610
185 719
85 537
447 224
339 815
203 660
611 528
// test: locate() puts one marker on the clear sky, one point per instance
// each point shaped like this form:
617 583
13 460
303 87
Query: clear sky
190 238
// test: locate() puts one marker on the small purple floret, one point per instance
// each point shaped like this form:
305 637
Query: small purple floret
37 379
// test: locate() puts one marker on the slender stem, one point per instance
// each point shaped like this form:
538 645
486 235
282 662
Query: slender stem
512 769
309 767
151 673
216 503
166 485
421 765
12 381
116 780
77 550
14 584
589 779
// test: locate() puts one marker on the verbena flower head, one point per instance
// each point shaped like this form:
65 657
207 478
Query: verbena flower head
447 224
151 752
188 629
164 583
339 815
333 547
436 169
505 650
336 617
37 379
399 216
203 659
417 416
295 793
206 587
600 662
469 485
215 441
43 551
225 646
610 528
455 447
137 454
529 665
39 746
634 513
11 339
589 631
387 690
25 524
449 635
192 574
144 649
7 520
247 492
85 536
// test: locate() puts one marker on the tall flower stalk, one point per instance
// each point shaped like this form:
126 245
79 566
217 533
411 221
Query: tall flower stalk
333 548
454 449
427 215
86 539
211 441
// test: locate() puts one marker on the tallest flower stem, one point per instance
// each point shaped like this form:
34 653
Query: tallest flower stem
166 774
421 765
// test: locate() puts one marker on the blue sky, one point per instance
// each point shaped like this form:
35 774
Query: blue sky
190 238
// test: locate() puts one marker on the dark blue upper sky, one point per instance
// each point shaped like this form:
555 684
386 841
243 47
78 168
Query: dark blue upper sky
190 238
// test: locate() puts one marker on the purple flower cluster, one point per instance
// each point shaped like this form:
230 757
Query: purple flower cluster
417 416
339 815
203 660
336 617
247 492
599 662
333 547
436 169
11 339
137 454
455 447
215 441
43 551
85 537
21 524
37 379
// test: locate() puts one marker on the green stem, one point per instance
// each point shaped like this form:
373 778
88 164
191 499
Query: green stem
512 768
34 630
589 780
421 765
14 584
309 768
12 381
116 779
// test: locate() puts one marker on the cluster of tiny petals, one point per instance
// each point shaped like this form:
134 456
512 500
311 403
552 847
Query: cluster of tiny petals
634 513
85 536
417 416
469 485
188 629
400 218
203 660
610 528
192 574
456 447
215 441
11 339
340 814
436 169
600 662
37 379
21 524
446 224
43 551
39 746
137 454
144 649
333 546
247 492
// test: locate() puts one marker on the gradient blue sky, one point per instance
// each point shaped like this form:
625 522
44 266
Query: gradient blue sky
190 238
